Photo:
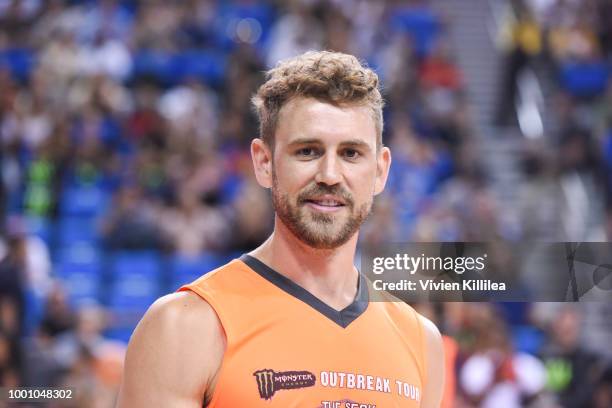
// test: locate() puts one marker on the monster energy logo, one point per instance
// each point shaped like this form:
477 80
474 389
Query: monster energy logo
269 381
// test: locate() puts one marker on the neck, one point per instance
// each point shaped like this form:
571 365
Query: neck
328 274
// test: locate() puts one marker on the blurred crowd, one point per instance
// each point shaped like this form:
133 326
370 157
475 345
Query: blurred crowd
125 171
566 43
519 355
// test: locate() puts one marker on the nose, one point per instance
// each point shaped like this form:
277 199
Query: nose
329 171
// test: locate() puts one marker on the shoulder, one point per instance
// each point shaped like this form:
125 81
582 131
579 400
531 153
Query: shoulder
432 338
174 353
432 335
178 314
434 357
183 320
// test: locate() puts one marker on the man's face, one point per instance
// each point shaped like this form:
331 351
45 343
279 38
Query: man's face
325 170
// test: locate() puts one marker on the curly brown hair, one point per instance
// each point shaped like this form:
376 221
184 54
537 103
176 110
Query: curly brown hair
332 77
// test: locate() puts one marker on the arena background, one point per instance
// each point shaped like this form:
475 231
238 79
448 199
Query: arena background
125 169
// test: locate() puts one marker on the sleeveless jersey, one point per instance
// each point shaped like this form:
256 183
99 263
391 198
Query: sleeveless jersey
286 348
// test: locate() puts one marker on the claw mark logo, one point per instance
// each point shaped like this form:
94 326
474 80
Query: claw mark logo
269 381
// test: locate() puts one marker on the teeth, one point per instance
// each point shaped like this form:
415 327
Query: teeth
328 203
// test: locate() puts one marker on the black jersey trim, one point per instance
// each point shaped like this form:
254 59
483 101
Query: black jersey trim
342 317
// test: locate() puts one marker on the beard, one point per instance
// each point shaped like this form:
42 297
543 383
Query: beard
316 229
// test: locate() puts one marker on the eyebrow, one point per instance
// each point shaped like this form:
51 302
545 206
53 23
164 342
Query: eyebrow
356 143
303 141
352 143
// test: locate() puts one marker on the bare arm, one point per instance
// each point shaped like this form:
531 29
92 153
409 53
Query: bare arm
173 355
434 389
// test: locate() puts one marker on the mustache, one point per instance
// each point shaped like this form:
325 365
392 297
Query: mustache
322 189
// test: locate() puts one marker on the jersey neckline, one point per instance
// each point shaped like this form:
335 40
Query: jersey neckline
342 317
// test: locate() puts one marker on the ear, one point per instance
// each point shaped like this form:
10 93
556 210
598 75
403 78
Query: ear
262 162
383 164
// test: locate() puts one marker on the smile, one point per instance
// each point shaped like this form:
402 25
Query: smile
325 205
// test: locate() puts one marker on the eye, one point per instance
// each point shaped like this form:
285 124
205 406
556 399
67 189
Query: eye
351 154
307 152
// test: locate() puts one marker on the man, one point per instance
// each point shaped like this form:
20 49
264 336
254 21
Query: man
291 324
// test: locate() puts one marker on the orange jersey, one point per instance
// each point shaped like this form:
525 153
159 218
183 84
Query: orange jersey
451 349
286 348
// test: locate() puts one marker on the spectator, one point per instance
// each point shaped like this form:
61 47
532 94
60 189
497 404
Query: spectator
297 31
439 70
603 393
9 360
93 363
251 207
59 316
495 375
132 222
12 310
42 368
572 371
193 227
12 286
525 45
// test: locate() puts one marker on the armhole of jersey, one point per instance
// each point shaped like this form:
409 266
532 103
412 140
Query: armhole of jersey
424 348
226 330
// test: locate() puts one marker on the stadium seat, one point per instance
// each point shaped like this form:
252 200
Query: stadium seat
79 253
13 202
73 230
84 201
79 267
206 66
19 61
230 189
171 69
41 227
135 277
584 79
155 64
187 269
231 12
420 23
34 311
134 284
528 339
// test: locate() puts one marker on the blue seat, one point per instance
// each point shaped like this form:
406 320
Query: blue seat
34 311
80 253
13 201
135 262
528 339
84 201
230 189
134 291
19 62
82 282
41 227
171 69
156 64
72 230
421 24
135 283
231 12
206 66
79 268
187 269
584 79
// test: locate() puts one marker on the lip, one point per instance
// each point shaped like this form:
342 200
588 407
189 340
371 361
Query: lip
327 197
326 208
